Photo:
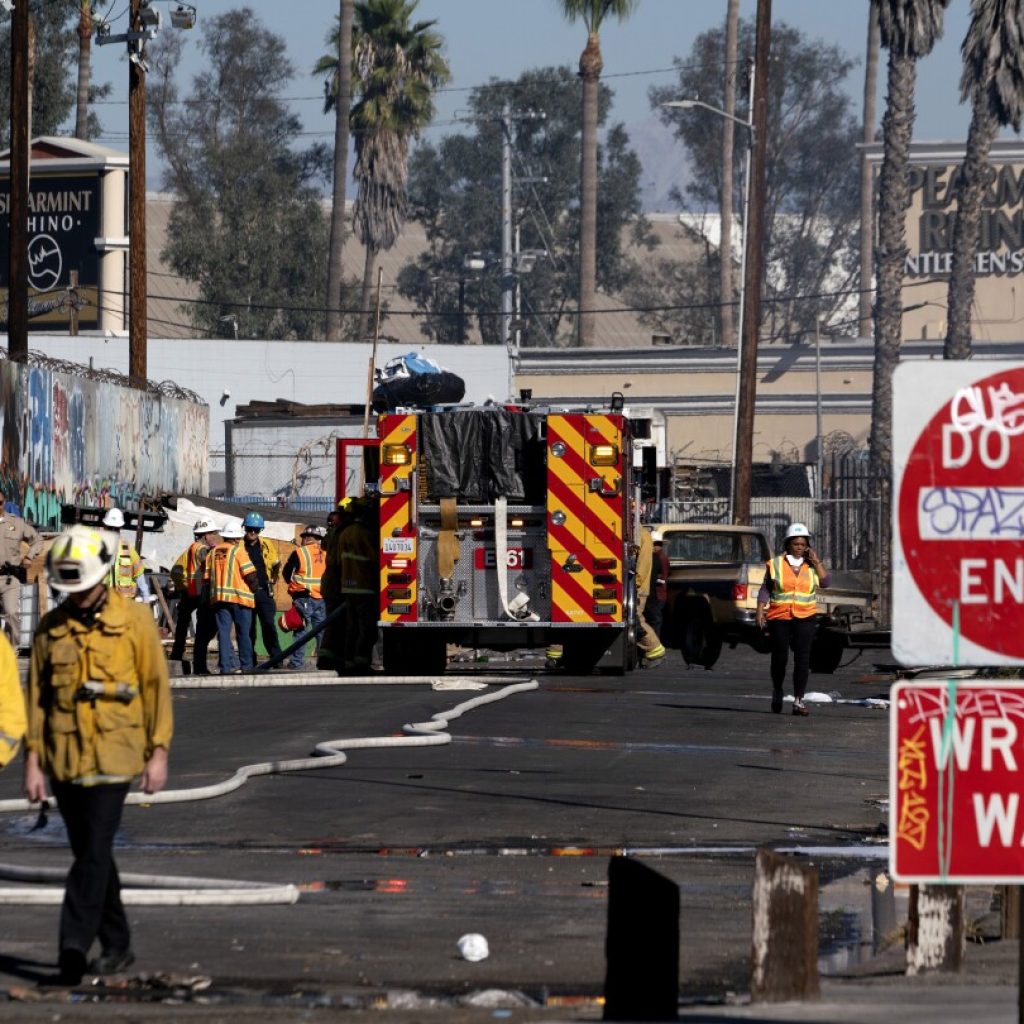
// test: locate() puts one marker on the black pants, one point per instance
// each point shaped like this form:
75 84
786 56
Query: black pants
360 631
206 630
92 898
797 634
266 614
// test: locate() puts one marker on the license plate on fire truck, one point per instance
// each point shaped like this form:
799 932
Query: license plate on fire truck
515 558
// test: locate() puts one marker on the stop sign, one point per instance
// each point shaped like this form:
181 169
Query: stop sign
958 513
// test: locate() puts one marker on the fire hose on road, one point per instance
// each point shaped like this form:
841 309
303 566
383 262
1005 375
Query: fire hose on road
156 890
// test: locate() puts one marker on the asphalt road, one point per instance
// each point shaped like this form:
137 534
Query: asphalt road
506 831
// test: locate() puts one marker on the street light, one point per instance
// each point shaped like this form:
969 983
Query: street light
690 104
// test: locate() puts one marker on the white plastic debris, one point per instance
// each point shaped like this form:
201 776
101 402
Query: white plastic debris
473 947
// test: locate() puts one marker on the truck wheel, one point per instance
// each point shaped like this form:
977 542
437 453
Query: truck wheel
826 652
701 644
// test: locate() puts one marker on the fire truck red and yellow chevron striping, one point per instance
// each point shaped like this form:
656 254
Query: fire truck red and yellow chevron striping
587 505
398 597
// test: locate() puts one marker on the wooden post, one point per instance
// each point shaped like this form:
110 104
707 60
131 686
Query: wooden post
73 300
373 359
936 928
1009 912
137 316
784 956
642 944
17 282
883 911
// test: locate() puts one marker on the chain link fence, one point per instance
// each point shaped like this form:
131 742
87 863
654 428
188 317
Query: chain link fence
302 482
847 522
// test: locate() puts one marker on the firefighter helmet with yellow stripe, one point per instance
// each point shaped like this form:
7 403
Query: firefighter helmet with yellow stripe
78 560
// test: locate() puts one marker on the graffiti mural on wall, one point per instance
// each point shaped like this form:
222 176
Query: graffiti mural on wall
68 440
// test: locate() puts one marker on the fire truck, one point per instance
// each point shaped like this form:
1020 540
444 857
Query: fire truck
502 528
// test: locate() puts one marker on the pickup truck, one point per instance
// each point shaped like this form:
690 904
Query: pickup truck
715 573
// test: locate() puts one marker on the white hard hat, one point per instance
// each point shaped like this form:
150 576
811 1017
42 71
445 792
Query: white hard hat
796 530
203 526
657 537
233 531
114 519
78 559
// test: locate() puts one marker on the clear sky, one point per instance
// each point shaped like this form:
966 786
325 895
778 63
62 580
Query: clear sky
502 38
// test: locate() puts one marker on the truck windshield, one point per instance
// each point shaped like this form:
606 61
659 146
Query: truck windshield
714 547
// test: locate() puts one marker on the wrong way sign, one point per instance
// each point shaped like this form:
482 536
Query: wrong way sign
956 810
958 513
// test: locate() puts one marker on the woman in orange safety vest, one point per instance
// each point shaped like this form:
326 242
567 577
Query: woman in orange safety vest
303 572
788 599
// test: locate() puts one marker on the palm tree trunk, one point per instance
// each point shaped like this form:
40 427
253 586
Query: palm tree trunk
365 302
867 218
84 70
891 253
590 73
975 175
890 260
342 109
725 283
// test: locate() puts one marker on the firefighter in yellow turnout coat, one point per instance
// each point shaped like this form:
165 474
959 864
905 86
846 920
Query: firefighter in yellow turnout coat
99 714
12 703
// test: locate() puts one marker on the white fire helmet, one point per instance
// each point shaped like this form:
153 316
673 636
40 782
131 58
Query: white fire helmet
114 519
78 560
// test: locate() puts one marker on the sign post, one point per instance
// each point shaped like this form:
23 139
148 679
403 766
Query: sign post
958 513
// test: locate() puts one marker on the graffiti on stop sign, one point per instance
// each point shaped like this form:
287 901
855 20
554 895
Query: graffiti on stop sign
956 750
958 513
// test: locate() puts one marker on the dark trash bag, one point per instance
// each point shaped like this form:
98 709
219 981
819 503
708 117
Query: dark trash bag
415 382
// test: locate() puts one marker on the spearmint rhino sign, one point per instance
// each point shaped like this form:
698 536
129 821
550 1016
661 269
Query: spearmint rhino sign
934 190
63 223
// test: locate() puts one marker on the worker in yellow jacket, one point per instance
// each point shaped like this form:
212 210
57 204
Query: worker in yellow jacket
12 703
99 714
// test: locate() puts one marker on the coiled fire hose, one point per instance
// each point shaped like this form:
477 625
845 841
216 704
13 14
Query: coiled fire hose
170 890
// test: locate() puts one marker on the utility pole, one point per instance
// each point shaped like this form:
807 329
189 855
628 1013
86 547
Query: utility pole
137 314
17 284
753 272
507 276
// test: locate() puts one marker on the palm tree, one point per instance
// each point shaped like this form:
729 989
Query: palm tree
593 14
337 97
867 219
397 65
85 12
993 79
909 30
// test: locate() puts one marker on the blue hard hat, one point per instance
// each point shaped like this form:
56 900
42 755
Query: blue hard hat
253 521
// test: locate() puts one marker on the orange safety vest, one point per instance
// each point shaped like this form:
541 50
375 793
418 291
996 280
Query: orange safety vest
191 562
792 591
312 561
225 570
